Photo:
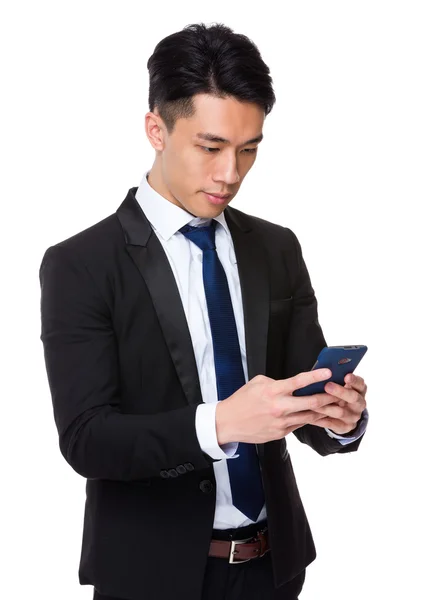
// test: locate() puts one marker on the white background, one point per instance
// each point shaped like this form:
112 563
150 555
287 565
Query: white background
349 163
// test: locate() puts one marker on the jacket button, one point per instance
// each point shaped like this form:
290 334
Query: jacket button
181 470
164 474
172 473
189 466
206 486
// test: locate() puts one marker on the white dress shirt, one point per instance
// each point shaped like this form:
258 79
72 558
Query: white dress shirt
185 259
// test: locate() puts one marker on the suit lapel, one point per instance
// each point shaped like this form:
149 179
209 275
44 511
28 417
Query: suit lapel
150 258
254 284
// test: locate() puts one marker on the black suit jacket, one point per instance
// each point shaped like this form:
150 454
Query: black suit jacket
125 388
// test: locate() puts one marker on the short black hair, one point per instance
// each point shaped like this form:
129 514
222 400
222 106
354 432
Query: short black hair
211 60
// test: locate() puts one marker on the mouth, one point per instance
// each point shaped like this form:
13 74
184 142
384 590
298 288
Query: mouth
217 199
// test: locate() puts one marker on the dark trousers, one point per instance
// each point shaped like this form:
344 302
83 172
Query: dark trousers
252 580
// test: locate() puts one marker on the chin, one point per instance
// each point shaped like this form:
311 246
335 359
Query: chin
207 211
214 211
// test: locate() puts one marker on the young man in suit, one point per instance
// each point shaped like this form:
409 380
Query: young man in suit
174 332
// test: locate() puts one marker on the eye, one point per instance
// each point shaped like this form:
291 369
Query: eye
247 150
208 148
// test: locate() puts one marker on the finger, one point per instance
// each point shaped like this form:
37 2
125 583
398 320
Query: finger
303 417
287 386
342 403
335 424
350 412
295 404
356 382
343 393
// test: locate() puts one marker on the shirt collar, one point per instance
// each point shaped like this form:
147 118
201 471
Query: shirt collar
165 217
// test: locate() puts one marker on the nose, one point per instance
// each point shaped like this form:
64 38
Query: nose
227 170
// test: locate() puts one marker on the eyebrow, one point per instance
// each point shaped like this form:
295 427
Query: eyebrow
211 137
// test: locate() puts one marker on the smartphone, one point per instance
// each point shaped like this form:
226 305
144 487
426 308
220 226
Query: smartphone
340 360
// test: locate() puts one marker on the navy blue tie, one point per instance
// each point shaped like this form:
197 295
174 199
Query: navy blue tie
244 471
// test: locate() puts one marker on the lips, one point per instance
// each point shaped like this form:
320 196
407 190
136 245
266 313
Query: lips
217 199
222 196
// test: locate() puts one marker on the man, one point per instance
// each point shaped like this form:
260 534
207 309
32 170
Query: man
175 331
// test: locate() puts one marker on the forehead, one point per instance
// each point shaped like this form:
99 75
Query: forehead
225 117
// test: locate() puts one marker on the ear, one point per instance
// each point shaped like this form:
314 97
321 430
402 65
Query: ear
155 130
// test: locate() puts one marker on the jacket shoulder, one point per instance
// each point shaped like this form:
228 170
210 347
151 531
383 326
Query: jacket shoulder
96 242
268 229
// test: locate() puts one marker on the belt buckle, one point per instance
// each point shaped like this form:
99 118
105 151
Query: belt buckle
232 551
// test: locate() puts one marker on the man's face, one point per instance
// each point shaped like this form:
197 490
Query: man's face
189 166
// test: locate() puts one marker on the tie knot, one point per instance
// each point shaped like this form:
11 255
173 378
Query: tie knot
203 237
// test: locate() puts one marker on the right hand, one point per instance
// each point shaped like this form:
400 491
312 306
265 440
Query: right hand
264 409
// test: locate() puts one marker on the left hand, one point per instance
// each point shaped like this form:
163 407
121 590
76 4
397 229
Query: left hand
349 403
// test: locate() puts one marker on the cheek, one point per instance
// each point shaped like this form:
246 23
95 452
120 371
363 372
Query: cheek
188 162
189 176
180 166
196 170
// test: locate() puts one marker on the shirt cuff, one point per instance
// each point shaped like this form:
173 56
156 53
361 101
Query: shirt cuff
361 427
205 423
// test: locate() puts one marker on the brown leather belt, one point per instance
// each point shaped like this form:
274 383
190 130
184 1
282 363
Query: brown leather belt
238 551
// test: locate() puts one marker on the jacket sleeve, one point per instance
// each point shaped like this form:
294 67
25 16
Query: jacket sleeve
305 342
81 357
